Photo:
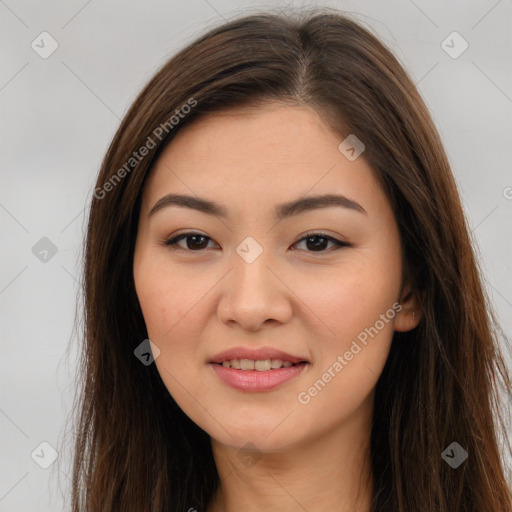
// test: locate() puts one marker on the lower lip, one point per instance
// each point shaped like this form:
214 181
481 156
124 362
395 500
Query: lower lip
254 380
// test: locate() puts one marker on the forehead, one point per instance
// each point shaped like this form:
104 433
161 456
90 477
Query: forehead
267 133
271 153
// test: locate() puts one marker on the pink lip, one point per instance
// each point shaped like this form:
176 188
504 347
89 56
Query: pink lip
254 380
258 354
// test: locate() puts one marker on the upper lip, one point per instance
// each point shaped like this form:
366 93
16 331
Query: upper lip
255 354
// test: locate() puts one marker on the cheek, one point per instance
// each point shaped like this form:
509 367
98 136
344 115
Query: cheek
174 304
349 300
164 295
357 306
174 317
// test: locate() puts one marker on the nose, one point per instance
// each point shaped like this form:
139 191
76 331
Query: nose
254 294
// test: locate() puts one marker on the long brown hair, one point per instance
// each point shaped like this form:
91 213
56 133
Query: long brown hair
135 449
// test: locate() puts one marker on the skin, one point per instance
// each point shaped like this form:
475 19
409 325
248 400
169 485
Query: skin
312 303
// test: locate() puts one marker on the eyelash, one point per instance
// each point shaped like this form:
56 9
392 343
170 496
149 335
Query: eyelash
171 242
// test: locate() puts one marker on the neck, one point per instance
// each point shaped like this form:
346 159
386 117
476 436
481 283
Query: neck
332 468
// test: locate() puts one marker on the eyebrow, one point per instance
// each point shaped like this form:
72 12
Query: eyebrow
282 211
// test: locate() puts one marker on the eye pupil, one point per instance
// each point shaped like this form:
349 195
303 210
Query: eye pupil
317 246
194 244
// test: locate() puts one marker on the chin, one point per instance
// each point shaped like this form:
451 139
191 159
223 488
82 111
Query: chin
251 437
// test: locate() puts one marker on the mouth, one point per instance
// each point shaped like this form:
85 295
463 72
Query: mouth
259 359
260 365
258 375
257 369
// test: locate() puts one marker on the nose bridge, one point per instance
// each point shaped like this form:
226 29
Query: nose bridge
253 293
251 274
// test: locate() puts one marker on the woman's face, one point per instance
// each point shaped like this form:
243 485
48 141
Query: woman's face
260 275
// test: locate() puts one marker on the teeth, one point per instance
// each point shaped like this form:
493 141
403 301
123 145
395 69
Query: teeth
246 364
261 365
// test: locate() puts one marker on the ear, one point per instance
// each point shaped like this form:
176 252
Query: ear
410 314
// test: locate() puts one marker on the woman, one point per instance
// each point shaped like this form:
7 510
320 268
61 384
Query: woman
283 307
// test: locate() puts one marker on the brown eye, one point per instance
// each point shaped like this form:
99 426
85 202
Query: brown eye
317 242
194 241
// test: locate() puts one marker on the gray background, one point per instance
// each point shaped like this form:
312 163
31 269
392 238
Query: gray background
59 114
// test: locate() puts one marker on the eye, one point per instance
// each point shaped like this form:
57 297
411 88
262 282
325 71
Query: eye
195 242
318 242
